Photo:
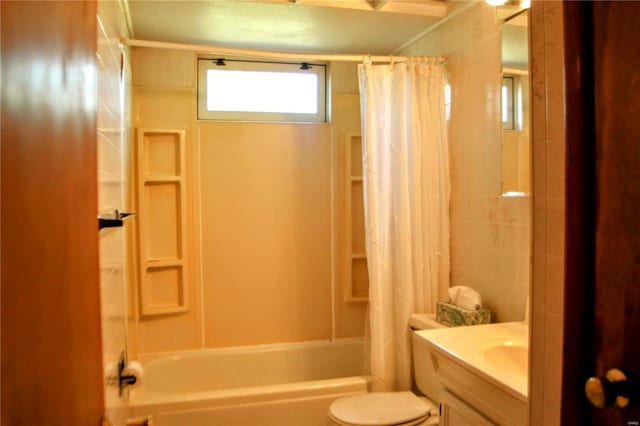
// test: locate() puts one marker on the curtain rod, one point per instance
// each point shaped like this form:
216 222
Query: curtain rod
251 53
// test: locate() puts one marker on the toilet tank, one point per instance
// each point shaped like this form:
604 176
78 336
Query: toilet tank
425 375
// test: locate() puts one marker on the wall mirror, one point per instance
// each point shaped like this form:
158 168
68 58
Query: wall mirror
515 117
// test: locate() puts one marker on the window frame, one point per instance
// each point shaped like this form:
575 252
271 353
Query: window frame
205 64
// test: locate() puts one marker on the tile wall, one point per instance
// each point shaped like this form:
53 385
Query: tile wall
490 234
112 171
548 131
473 84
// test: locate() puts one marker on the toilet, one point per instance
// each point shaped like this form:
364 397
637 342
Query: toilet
397 408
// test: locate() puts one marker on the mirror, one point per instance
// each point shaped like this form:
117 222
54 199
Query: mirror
516 146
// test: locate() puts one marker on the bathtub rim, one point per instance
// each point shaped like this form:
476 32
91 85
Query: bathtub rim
139 398
249 395
152 356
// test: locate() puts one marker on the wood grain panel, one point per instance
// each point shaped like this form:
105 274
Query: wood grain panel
580 212
602 308
51 344
617 108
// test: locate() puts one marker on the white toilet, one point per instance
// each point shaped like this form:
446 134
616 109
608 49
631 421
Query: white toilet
397 408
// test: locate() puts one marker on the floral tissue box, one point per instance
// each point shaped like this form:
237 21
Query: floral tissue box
454 316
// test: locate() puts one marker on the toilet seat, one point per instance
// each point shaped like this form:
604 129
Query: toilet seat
380 409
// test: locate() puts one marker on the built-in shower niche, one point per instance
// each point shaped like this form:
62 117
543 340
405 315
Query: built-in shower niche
162 211
357 288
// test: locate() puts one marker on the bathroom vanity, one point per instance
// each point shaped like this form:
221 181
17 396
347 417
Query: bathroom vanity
483 370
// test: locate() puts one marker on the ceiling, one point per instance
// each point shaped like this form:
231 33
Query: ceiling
319 26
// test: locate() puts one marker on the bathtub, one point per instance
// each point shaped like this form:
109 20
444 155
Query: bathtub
266 385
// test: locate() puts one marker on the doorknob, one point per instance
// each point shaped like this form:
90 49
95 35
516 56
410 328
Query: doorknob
613 389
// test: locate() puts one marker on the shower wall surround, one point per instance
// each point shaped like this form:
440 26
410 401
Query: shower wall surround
490 234
263 254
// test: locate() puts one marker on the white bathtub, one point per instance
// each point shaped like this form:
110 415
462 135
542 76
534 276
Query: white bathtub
267 385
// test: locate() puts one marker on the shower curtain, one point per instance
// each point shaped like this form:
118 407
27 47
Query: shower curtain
406 197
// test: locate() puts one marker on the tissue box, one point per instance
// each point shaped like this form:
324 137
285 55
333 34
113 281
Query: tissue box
453 316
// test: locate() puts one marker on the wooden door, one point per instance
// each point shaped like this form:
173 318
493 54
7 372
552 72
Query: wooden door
51 342
602 295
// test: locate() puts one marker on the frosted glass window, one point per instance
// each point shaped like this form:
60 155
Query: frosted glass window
261 91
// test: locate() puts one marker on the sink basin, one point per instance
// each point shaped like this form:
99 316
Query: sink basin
511 357
499 352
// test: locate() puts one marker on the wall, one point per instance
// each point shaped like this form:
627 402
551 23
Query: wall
490 234
163 97
466 53
345 100
264 230
548 136
113 164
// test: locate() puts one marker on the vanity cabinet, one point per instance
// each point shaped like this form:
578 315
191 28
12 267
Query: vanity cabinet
483 373
456 412
470 397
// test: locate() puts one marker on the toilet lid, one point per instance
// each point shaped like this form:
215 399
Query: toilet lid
379 408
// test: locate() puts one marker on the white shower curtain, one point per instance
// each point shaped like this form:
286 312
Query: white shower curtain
406 197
